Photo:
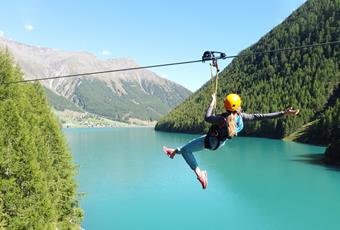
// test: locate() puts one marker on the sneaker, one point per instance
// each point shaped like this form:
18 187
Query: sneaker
170 152
203 178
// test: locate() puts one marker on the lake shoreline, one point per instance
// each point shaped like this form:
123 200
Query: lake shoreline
107 127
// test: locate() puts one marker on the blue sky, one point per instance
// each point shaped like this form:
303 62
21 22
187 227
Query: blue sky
150 32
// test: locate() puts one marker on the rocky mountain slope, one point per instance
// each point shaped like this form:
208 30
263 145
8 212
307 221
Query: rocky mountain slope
122 96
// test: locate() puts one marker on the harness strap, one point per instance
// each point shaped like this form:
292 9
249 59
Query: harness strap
214 86
216 82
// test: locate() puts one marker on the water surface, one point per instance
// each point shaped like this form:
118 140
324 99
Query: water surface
253 183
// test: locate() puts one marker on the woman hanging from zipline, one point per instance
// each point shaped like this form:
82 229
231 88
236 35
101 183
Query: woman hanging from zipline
224 126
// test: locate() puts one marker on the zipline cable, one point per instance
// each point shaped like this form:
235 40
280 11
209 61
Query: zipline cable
175 63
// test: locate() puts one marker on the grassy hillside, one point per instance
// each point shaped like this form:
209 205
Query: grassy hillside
37 188
306 79
322 131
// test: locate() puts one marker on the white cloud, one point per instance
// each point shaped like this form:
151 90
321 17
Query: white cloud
2 33
106 52
29 27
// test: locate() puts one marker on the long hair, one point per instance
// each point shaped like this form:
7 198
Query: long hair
231 119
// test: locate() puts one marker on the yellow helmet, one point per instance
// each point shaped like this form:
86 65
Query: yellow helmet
232 102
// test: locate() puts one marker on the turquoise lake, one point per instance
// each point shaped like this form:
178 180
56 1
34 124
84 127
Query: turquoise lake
254 183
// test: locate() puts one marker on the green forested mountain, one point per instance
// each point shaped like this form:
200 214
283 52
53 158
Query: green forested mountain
37 188
329 124
305 79
325 129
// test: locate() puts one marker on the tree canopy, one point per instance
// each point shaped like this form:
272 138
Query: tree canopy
37 186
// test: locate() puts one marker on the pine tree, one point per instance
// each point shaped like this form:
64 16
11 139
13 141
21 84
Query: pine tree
37 188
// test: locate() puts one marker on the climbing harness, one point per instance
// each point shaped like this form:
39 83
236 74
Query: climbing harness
215 136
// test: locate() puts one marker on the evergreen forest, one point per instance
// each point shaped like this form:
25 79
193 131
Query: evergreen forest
307 79
37 185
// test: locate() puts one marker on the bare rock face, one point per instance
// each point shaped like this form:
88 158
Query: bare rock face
137 94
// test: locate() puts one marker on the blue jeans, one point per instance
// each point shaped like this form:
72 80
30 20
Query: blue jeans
194 145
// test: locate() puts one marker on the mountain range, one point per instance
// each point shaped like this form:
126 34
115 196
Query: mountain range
308 79
138 95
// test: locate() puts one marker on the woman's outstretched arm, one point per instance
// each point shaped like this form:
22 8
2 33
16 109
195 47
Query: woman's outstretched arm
261 116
